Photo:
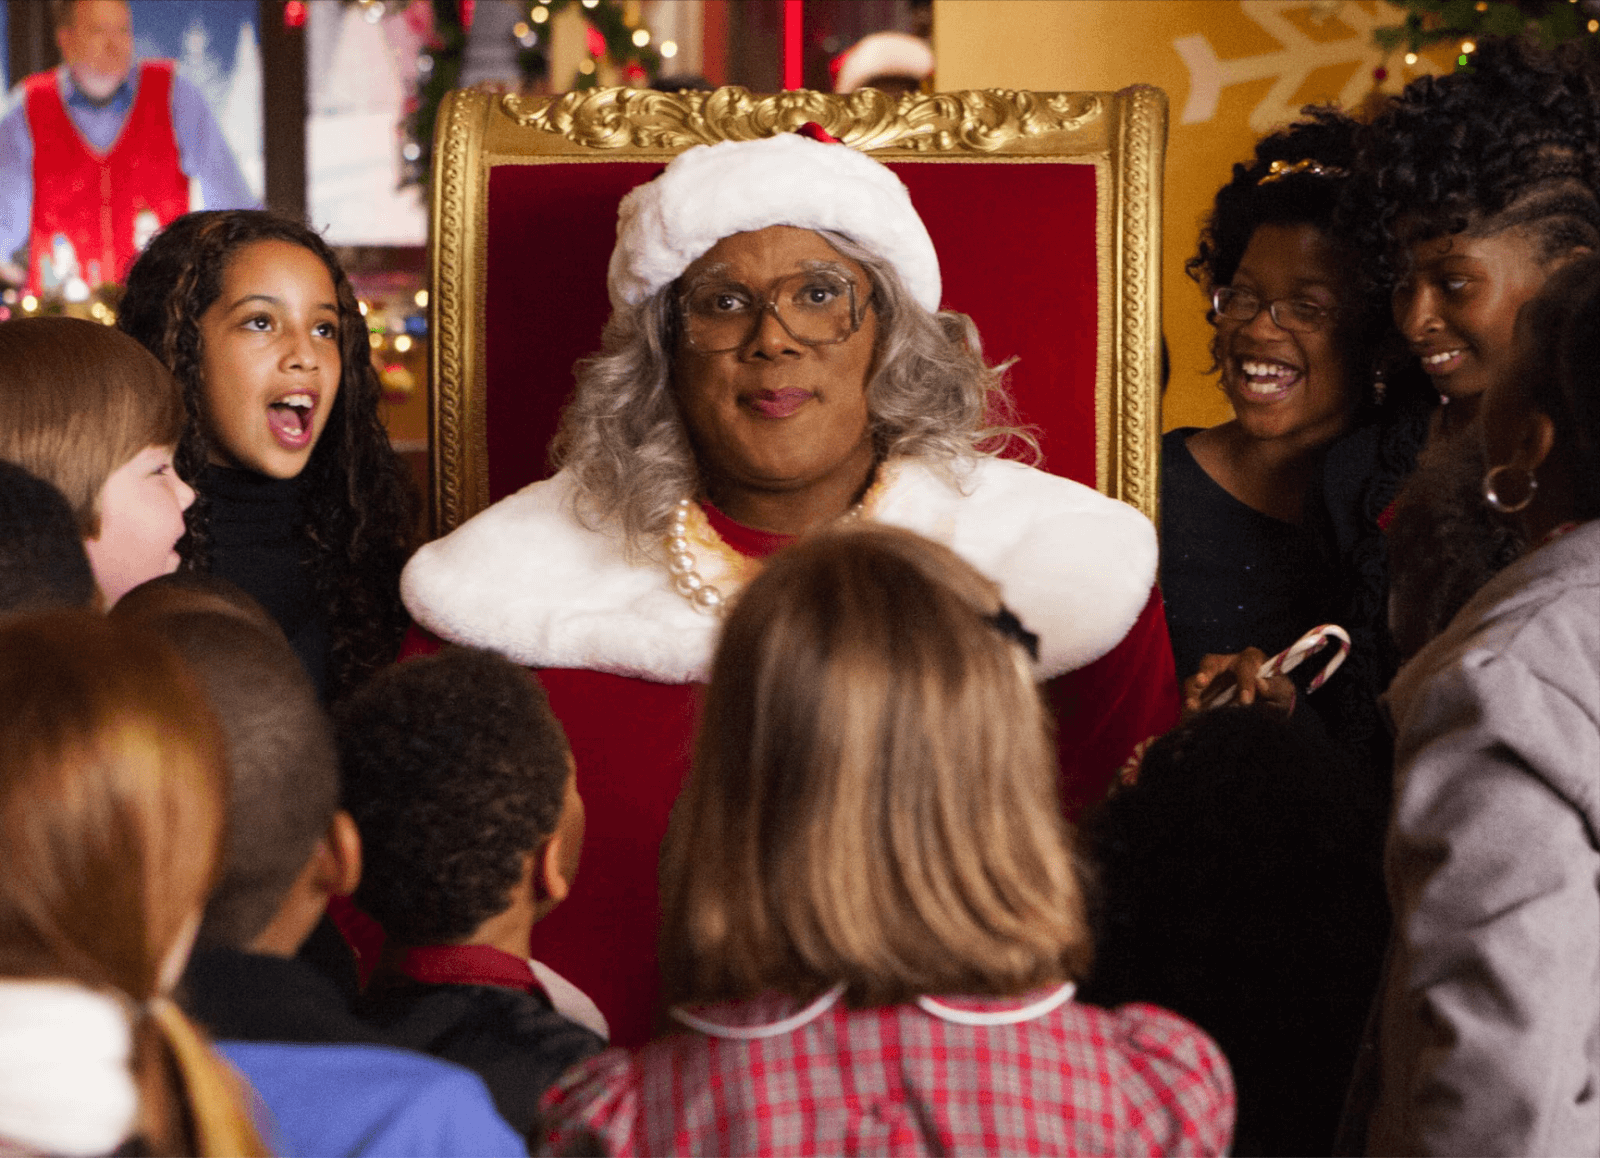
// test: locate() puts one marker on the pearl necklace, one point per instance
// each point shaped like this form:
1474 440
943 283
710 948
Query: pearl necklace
685 568
682 566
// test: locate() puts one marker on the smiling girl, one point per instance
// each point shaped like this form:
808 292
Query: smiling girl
302 502
1294 348
1472 190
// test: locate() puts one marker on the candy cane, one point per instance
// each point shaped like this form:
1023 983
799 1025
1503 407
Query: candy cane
1292 656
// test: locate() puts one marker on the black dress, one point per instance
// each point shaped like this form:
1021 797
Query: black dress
256 542
1231 576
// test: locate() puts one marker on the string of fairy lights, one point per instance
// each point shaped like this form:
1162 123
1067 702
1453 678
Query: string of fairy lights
615 40
1439 22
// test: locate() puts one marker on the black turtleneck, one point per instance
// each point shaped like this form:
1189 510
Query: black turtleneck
256 542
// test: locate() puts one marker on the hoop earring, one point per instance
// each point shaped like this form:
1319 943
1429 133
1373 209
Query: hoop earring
1492 487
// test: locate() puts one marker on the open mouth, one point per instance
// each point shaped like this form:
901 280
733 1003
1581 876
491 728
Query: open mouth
1443 361
1265 379
290 418
778 403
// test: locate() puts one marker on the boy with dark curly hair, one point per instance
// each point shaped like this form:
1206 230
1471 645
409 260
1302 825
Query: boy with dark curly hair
461 783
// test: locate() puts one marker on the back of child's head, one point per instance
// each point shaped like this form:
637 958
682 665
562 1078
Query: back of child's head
77 401
358 520
184 592
455 770
1513 140
285 778
1239 884
42 560
873 797
112 799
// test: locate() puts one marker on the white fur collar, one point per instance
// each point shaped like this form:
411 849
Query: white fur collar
527 580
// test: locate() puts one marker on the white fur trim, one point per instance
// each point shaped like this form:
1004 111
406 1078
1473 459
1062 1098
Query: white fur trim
65 1086
884 54
525 579
713 191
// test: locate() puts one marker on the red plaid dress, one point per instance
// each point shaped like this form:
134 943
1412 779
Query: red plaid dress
903 1080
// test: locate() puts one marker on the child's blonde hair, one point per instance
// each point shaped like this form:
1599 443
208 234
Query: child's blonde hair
873 799
77 401
112 803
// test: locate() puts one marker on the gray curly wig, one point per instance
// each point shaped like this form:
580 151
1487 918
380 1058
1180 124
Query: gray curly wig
622 437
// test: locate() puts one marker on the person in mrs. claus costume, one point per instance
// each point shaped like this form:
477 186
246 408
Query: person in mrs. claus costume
775 360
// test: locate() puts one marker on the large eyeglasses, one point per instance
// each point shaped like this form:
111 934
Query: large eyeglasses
1296 315
815 308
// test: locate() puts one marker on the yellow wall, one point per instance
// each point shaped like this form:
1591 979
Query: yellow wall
1232 70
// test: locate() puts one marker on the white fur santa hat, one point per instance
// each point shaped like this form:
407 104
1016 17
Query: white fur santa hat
882 54
712 191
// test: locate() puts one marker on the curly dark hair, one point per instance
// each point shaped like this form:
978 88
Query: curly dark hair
455 769
360 503
1514 140
1326 137
1444 542
1240 885
1562 375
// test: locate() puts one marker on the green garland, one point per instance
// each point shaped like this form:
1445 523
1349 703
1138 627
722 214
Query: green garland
610 19
1430 22
439 66
439 70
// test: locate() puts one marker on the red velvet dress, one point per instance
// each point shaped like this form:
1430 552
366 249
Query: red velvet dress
631 739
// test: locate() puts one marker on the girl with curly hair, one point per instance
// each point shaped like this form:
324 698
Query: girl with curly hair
301 499
1490 1010
1269 521
1471 190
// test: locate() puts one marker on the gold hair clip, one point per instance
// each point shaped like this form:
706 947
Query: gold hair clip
1278 170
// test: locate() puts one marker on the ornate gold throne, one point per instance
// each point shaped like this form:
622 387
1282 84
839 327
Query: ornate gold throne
1045 209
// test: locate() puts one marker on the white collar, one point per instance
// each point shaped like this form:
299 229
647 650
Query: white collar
526 579
804 1016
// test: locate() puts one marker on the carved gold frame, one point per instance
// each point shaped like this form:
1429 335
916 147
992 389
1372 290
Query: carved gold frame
1123 134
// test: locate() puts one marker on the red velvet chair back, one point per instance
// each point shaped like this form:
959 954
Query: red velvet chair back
1044 209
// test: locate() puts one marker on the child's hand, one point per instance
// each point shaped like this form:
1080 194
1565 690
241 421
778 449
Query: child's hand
1218 672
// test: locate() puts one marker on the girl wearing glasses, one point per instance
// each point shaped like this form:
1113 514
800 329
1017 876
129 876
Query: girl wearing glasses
1295 347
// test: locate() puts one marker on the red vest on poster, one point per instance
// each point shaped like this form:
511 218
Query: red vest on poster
95 200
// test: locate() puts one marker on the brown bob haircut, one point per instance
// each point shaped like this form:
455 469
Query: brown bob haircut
77 401
873 798
112 802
